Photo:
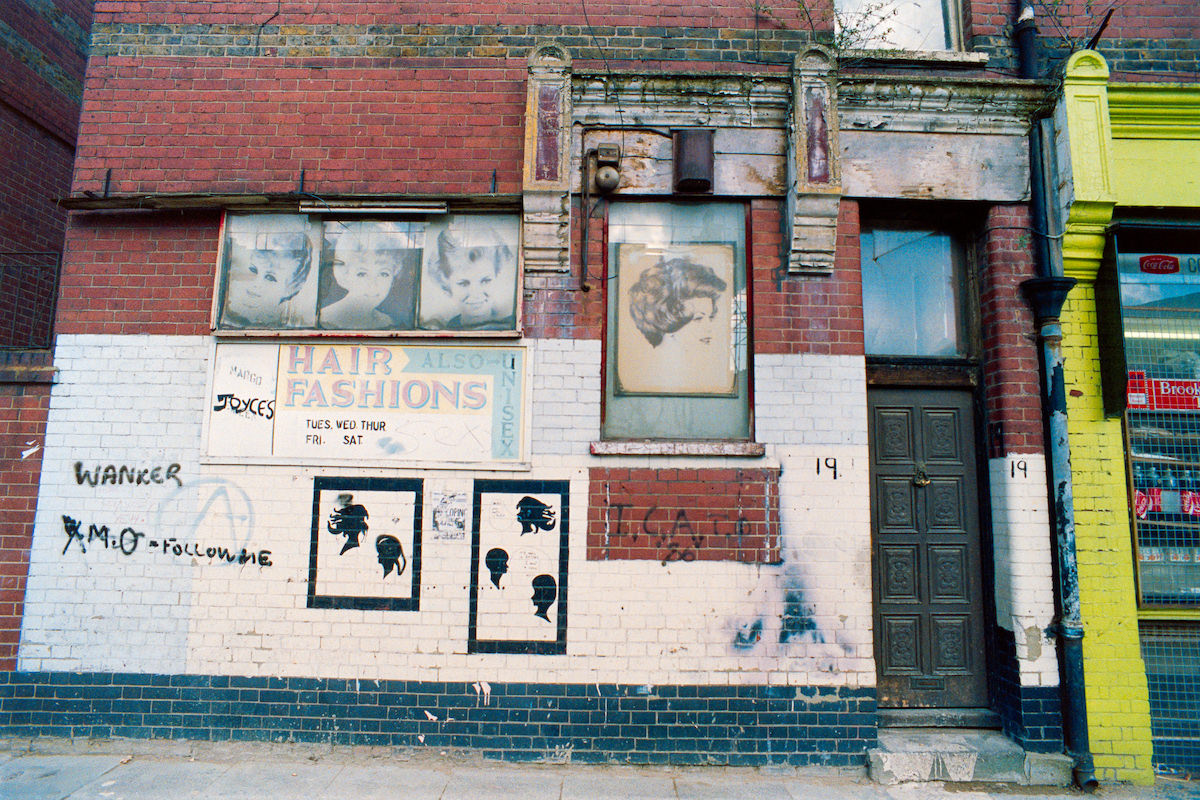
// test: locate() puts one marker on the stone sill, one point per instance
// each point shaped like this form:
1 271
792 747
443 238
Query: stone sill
659 447
941 58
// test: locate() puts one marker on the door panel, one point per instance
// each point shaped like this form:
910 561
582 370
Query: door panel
925 526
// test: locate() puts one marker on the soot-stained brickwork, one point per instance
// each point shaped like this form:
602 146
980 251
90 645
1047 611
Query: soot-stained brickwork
443 44
1031 715
43 50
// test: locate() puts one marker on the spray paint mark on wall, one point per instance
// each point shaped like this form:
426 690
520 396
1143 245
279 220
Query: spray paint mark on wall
216 506
114 475
673 515
126 541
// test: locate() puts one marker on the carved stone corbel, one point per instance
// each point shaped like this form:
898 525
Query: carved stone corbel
814 163
546 216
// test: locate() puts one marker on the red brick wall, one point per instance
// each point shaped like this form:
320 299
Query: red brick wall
1012 390
557 306
250 125
22 425
676 13
684 515
139 273
1080 19
807 314
45 85
34 172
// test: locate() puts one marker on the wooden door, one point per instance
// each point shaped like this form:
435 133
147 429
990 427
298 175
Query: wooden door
929 646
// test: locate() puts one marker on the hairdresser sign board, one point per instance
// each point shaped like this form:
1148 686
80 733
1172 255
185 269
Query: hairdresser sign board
318 403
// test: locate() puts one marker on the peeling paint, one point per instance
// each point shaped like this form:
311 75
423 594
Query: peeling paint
1033 643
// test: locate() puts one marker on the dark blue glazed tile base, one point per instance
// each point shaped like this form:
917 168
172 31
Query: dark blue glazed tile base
1030 715
592 723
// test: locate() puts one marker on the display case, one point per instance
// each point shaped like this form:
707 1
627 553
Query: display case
1160 322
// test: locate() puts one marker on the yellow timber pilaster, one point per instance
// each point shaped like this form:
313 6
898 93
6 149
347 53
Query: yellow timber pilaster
1118 704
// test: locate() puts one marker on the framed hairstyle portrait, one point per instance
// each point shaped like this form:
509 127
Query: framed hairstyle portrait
365 550
324 273
268 272
677 333
469 274
675 319
518 567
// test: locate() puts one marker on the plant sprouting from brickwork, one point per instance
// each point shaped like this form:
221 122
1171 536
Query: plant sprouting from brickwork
864 24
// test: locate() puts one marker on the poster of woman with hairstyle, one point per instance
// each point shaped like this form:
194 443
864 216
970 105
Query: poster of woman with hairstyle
675 319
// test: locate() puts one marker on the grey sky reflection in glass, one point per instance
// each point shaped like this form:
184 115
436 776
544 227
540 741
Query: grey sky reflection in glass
911 296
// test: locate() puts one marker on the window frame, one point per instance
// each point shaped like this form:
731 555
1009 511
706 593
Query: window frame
965 278
615 433
322 261
952 31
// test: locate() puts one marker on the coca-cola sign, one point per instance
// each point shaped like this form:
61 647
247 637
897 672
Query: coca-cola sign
1159 264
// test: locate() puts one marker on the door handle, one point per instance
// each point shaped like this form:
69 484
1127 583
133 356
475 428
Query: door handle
919 477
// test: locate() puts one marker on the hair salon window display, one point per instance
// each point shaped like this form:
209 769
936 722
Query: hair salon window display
298 273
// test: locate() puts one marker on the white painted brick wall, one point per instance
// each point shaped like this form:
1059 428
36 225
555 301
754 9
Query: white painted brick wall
810 400
629 621
566 396
119 400
1024 578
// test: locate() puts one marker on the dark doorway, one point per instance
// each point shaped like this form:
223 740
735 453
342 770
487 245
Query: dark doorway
929 643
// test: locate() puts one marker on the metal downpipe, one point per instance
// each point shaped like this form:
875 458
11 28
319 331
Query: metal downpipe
1046 295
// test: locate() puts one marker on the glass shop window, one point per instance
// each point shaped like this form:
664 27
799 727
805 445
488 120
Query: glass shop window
912 283
1160 322
677 341
305 273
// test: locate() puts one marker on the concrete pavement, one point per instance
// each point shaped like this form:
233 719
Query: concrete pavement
59 769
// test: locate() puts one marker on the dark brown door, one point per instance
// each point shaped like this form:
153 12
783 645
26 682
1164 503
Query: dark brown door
924 515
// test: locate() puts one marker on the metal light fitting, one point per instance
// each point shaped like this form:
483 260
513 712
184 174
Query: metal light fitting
374 207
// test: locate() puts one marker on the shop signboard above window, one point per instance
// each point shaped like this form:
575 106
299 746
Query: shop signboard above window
1160 313
381 403
299 274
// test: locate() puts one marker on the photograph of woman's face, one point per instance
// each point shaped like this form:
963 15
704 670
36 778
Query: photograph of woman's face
262 279
368 279
258 285
366 284
675 319
472 288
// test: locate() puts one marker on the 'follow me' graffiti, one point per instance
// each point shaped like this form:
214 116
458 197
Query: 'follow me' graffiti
430 403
